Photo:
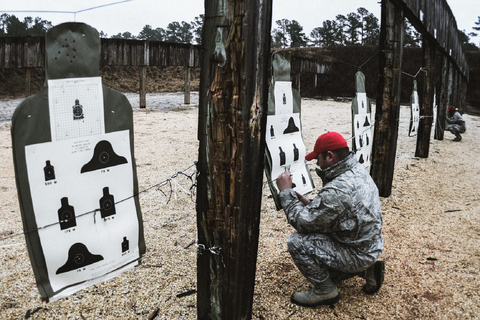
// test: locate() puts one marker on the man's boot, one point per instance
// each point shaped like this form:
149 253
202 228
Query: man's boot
458 137
326 293
374 276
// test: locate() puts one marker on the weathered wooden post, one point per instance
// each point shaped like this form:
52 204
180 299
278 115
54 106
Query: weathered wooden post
388 97
189 63
143 75
442 105
426 107
231 131
186 94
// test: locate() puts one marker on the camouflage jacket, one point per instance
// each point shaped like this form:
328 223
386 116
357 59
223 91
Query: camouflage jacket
457 118
347 208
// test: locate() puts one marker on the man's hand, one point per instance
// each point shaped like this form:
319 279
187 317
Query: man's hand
284 181
302 199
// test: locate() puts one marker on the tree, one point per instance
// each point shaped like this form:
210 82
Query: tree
465 40
179 32
150 34
341 22
11 26
477 28
316 37
371 30
297 37
353 25
288 33
197 27
125 35
326 35
279 34
412 37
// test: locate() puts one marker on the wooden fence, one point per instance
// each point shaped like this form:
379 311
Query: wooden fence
29 52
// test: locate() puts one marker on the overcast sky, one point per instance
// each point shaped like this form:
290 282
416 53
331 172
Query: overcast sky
133 15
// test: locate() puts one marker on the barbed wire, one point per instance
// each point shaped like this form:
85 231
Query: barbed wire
170 182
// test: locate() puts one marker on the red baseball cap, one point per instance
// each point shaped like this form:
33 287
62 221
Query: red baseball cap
450 109
327 142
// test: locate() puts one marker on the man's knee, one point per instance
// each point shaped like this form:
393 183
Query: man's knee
294 241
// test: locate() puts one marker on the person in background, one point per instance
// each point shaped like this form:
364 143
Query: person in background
455 123
338 233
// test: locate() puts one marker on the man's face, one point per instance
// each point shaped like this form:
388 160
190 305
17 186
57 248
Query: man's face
322 161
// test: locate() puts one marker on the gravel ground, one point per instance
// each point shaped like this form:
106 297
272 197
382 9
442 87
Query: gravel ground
156 101
431 230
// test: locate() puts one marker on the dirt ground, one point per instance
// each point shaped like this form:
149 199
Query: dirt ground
431 230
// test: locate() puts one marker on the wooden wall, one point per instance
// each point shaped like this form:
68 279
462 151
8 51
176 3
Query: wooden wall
29 52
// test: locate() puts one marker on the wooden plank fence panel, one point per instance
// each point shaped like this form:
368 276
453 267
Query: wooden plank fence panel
29 52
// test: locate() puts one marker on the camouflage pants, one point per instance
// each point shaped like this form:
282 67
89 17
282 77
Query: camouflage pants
455 128
318 258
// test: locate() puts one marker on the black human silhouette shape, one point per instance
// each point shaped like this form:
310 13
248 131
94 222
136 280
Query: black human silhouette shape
77 110
103 157
284 99
78 257
49 171
107 204
295 153
282 157
291 126
272 131
304 181
125 245
366 123
361 159
66 215
360 141
368 140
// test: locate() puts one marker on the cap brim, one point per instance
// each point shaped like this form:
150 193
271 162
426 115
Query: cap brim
312 155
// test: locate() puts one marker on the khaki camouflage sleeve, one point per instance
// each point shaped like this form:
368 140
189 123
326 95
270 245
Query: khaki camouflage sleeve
318 216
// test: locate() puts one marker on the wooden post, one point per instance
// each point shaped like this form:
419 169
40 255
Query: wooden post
463 94
442 104
388 97
231 130
187 85
426 107
143 86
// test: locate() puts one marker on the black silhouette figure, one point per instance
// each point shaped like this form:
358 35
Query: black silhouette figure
291 126
107 204
360 141
78 257
304 181
77 110
367 123
361 159
125 245
295 153
368 140
66 215
103 157
272 131
282 157
49 171
358 125
284 99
